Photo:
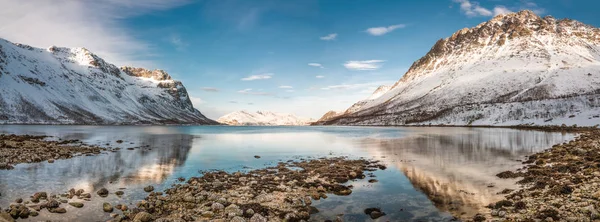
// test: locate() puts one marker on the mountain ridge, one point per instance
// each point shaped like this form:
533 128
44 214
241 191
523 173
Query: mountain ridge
515 69
60 85
263 118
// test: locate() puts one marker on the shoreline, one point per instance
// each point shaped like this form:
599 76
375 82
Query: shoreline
34 149
559 183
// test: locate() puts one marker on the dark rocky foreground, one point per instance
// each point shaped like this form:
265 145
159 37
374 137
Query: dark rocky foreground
279 193
15 149
561 183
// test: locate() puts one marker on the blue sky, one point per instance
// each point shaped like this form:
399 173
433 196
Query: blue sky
304 57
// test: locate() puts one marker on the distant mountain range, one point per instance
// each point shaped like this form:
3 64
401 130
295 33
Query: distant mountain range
74 86
263 118
516 69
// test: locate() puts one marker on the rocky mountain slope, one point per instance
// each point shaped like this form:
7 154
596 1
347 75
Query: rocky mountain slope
263 118
515 69
74 86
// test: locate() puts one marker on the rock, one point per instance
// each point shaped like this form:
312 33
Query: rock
107 207
51 161
149 188
76 204
373 181
501 213
208 214
119 193
258 218
143 217
257 156
119 141
85 195
52 203
250 212
233 209
59 210
237 219
103 192
217 206
374 213
34 213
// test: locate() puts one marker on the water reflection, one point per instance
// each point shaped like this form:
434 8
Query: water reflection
432 171
456 169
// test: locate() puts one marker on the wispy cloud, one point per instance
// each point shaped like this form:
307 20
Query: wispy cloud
290 90
364 65
252 92
92 24
501 10
209 89
316 65
234 102
196 101
377 31
319 77
258 77
286 87
179 44
472 9
329 37
368 87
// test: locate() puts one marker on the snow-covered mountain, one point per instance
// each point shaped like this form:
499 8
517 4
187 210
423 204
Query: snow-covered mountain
74 86
263 118
515 69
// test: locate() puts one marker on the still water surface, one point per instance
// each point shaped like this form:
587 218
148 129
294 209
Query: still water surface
432 172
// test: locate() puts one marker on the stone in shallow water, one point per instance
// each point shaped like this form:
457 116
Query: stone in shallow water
76 204
107 207
103 192
149 188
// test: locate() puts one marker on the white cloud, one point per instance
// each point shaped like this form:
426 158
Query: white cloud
286 87
377 31
258 77
94 25
329 37
364 65
366 87
252 92
209 89
290 90
472 9
316 64
196 101
319 77
501 10
179 44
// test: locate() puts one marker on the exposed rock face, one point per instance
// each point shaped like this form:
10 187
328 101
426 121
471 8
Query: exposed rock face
263 118
515 69
329 115
74 86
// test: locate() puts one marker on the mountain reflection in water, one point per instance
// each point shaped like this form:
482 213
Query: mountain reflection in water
456 169
431 171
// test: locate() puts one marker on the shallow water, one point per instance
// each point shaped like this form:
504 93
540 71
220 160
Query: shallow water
432 172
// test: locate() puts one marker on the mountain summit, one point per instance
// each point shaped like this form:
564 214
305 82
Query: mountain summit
517 68
74 86
263 118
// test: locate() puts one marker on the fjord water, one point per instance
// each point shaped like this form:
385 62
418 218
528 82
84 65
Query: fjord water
432 171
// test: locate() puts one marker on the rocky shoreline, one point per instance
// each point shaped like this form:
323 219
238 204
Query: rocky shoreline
561 183
279 193
32 149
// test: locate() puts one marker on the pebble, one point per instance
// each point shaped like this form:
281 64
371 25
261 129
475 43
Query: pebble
107 207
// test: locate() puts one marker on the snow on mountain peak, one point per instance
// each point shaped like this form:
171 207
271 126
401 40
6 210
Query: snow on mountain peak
61 85
517 68
263 118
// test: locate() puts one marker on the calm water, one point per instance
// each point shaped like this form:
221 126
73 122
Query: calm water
432 171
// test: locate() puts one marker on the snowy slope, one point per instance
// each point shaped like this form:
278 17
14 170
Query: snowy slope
74 86
515 69
263 118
